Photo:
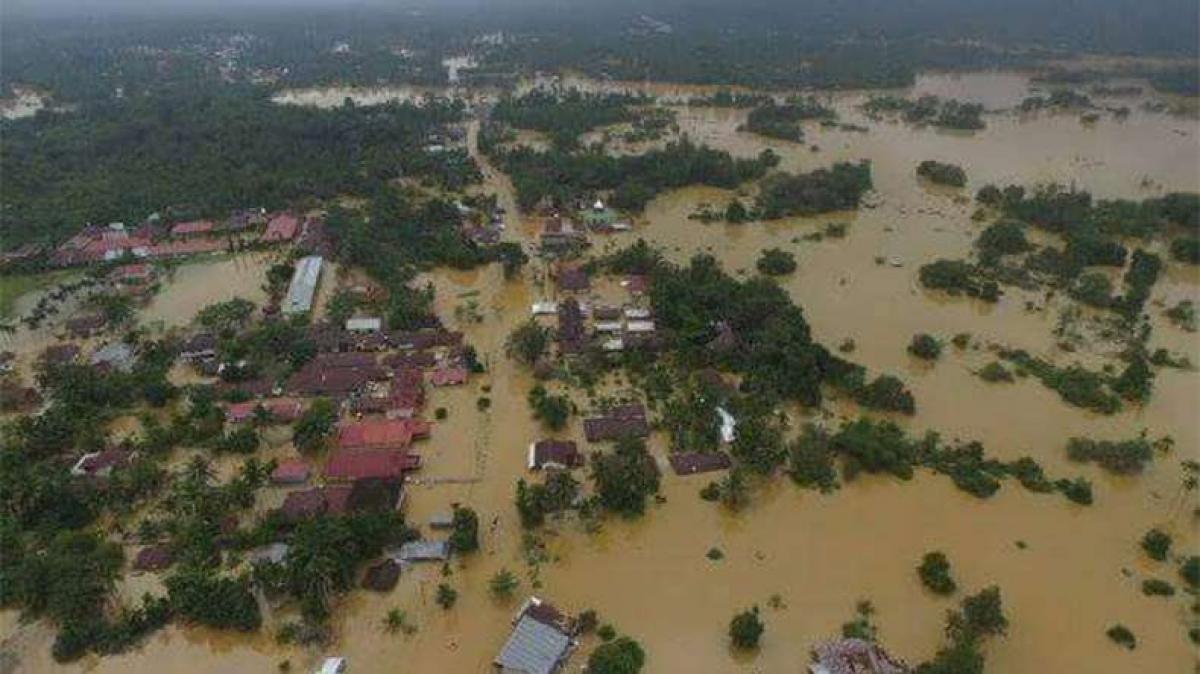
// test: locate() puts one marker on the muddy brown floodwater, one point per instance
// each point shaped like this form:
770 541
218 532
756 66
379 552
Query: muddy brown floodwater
1079 572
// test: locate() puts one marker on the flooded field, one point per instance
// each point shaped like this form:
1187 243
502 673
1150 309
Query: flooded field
193 286
1077 572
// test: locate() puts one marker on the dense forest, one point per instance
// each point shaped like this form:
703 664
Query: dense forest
206 153
564 117
864 43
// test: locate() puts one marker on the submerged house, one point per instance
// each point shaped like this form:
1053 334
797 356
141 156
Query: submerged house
616 423
854 656
422 551
541 641
554 454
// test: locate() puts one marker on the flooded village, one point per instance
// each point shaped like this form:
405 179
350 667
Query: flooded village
437 420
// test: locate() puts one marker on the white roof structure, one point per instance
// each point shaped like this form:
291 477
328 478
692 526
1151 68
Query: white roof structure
332 666
364 324
614 344
640 326
303 287
422 551
608 326
544 308
728 425
637 313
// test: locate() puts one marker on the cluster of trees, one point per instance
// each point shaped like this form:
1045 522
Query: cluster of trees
942 173
1091 231
552 410
979 617
536 501
624 478
837 188
560 176
776 262
865 445
931 110
208 152
935 573
1075 384
958 277
565 116
782 121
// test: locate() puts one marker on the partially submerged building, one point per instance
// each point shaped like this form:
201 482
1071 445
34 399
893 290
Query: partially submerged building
422 551
616 423
541 641
303 289
854 656
554 454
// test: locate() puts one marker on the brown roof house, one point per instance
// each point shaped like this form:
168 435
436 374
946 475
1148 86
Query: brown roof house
616 423
554 454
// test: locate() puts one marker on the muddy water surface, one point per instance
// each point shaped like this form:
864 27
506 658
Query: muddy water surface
1078 573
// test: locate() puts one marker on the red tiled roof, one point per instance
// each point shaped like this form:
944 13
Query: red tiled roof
193 227
281 409
381 434
449 376
290 471
132 272
282 227
361 464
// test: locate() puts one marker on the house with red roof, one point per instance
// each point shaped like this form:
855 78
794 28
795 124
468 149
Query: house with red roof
350 465
382 433
193 228
282 410
290 471
448 376
281 227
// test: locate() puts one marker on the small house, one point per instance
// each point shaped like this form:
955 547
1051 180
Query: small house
153 558
281 227
350 465
101 464
693 463
442 521
364 325
272 553
382 575
422 551
448 376
60 354
86 325
117 356
554 454
201 346
290 471
193 228
544 308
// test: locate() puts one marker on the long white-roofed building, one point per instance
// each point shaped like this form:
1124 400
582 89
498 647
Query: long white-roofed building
303 288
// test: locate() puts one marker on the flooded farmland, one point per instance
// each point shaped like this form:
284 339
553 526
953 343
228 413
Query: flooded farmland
1076 571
